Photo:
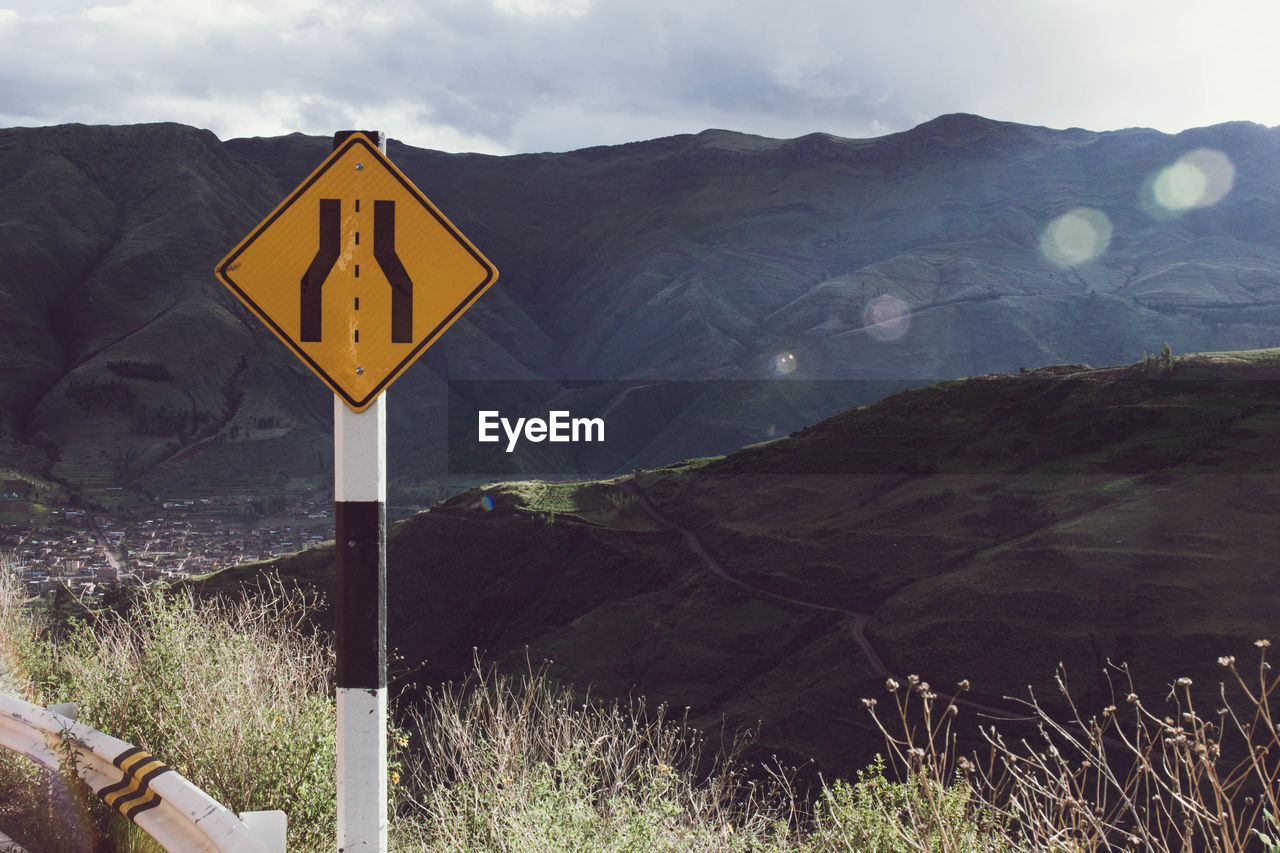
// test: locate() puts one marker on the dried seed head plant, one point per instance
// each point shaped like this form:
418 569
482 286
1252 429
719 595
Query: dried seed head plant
1161 776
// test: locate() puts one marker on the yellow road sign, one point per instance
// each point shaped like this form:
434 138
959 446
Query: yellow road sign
357 271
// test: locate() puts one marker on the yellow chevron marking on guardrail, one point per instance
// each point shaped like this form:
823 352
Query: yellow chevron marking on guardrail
132 794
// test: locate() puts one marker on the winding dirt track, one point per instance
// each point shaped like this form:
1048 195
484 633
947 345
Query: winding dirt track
856 620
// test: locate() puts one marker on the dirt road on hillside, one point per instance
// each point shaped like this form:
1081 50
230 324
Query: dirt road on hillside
856 620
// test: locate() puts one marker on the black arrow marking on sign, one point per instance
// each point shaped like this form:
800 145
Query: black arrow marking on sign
384 252
321 264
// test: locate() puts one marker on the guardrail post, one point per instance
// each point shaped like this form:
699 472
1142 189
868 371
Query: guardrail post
270 827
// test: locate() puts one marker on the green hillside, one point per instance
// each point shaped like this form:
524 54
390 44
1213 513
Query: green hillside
987 528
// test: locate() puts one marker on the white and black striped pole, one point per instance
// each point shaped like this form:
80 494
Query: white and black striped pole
360 537
298 271
360 546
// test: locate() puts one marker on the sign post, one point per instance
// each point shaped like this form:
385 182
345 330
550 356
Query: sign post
358 273
360 546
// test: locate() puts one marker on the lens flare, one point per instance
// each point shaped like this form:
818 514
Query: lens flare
1076 237
886 317
486 503
782 364
1199 178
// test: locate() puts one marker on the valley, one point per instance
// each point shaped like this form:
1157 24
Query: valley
821 362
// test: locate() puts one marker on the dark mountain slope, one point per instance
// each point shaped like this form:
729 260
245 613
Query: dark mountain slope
911 257
134 352
988 529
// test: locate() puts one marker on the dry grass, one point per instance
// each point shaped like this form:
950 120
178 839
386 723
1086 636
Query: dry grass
26 790
1158 776
499 764
238 697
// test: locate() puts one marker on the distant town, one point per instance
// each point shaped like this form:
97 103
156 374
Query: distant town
87 550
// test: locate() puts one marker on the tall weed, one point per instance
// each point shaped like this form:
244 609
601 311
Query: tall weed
238 698
521 766
235 696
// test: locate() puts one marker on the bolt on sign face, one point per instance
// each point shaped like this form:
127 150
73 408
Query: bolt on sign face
357 271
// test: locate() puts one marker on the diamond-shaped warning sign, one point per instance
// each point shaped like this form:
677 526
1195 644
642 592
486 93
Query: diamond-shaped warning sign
357 271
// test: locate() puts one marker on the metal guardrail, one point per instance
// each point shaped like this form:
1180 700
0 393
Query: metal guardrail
166 806
8 845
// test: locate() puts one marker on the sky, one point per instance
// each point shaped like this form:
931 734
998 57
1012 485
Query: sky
515 76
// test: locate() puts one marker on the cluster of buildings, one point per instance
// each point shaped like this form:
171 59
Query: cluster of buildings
87 550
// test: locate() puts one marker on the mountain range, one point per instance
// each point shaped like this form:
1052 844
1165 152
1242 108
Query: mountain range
709 291
960 247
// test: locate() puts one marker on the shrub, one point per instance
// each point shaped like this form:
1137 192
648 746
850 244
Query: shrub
920 813
237 697
501 765
234 696
26 809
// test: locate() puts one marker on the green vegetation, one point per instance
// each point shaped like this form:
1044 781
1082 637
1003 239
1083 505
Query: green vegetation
580 498
1162 363
236 697
503 765
1256 356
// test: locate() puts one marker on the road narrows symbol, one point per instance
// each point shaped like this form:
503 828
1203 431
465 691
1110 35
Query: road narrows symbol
297 271
384 252
326 256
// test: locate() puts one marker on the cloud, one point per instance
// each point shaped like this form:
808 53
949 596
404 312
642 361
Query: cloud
544 8
519 75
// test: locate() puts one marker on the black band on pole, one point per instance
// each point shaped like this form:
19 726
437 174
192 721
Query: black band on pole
361 606
377 136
